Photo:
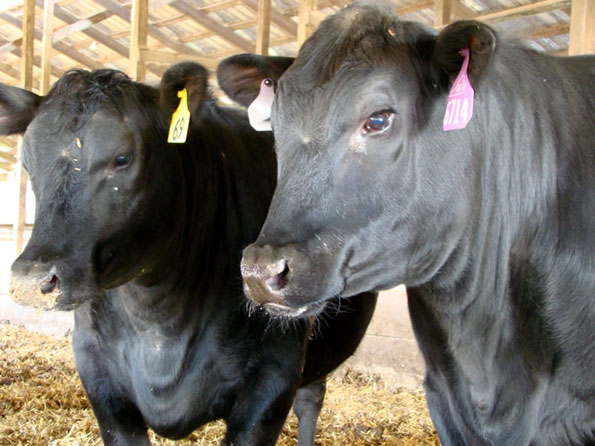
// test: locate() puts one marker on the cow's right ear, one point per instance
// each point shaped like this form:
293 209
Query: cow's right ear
478 37
17 109
240 76
189 75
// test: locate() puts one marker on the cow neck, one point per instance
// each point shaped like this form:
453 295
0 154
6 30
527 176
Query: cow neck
201 261
495 300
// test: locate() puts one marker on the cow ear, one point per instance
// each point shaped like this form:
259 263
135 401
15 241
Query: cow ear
189 75
478 37
17 109
240 76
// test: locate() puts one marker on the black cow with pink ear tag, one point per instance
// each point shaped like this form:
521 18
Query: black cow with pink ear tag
463 166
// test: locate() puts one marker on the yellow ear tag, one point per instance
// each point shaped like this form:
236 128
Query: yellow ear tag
180 120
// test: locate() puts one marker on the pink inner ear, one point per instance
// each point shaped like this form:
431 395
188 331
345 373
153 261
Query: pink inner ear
259 111
459 108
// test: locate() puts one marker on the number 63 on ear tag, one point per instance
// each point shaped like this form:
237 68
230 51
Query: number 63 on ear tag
180 120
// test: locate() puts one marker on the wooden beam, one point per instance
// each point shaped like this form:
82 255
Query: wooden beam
138 38
582 27
414 7
79 25
58 46
8 157
442 12
8 141
282 21
208 23
46 45
523 11
28 26
102 38
263 27
305 28
6 166
119 10
164 57
461 12
544 32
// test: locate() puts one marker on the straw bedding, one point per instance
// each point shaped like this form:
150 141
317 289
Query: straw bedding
42 403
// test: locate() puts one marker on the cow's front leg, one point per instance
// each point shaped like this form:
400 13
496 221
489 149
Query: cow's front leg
259 413
120 422
307 406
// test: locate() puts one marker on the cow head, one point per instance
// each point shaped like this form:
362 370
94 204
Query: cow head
371 191
104 178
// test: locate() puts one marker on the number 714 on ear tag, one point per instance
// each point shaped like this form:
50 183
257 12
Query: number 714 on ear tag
180 120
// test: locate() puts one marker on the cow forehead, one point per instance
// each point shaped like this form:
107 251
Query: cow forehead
49 137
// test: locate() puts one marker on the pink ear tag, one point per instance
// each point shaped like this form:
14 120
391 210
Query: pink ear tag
259 111
460 99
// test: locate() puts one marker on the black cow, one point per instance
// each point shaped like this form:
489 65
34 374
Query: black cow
491 226
144 239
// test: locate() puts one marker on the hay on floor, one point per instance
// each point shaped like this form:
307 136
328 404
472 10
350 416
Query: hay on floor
42 403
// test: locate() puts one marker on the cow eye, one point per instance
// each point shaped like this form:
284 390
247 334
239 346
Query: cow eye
378 122
121 160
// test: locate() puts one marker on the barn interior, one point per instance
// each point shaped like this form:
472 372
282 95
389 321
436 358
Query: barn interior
40 40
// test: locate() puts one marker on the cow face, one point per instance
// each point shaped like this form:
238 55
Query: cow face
104 179
371 191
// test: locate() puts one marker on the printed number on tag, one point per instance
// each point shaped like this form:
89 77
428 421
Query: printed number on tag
180 120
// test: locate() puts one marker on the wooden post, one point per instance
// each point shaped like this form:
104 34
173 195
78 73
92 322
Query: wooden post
139 21
442 12
46 45
26 83
263 27
582 27
305 26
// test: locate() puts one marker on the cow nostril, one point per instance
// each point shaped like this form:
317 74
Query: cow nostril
279 279
50 284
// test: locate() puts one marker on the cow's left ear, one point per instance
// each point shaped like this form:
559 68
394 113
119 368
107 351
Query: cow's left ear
478 37
17 109
240 76
189 75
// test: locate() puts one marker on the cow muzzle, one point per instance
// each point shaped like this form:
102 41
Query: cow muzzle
274 279
35 284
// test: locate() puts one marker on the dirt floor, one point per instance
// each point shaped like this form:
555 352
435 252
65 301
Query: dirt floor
42 403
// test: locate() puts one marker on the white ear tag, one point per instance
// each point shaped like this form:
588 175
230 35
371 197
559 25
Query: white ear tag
259 112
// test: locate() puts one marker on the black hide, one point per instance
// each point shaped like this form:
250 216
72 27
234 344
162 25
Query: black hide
491 227
144 239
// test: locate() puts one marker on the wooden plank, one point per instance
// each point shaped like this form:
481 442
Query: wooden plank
523 11
117 9
414 7
263 27
460 11
97 35
213 25
79 25
164 57
46 45
281 20
8 157
8 141
58 46
544 32
305 28
138 38
582 27
442 12
28 26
